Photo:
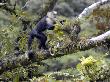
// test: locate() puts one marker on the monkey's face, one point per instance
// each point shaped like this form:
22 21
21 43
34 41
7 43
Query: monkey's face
52 15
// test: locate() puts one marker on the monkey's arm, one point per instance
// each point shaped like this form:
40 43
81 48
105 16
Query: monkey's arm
50 27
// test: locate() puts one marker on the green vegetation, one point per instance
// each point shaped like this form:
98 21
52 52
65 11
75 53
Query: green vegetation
83 66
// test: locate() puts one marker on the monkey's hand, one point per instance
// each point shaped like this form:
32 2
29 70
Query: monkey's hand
62 21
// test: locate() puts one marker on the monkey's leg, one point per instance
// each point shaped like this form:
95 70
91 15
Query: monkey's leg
42 40
30 39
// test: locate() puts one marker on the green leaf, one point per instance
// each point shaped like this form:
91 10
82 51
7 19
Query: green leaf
16 78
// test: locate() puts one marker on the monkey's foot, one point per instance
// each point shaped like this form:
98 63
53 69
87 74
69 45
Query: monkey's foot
49 52
52 54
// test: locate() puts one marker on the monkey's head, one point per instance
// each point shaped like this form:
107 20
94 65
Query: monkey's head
52 14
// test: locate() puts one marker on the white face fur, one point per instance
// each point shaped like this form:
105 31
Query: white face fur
51 17
52 14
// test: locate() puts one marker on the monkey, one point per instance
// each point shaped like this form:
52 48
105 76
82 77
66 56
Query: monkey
46 23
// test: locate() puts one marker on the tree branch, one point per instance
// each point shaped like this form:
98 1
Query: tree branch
89 10
13 61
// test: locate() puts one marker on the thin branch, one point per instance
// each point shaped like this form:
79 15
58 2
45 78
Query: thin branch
26 4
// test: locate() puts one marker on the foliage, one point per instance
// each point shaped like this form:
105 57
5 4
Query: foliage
57 77
62 34
15 74
93 69
6 39
100 17
56 37
23 41
10 32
